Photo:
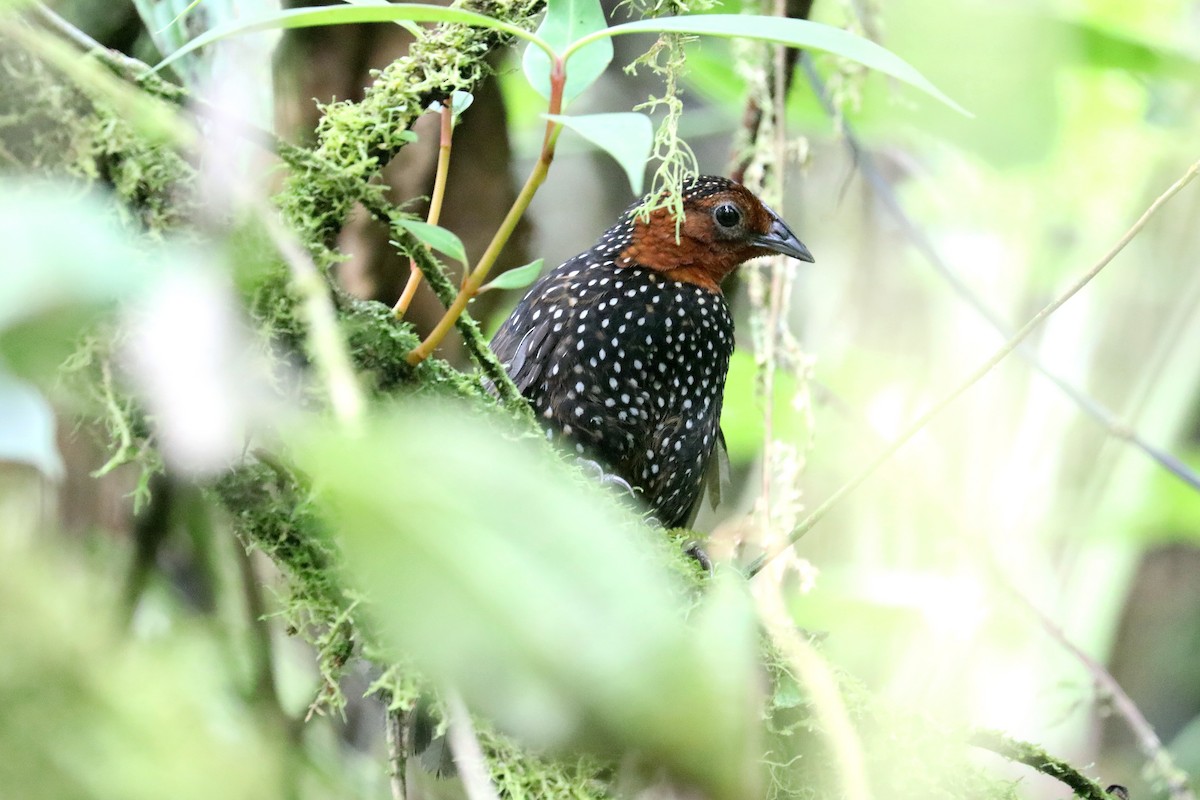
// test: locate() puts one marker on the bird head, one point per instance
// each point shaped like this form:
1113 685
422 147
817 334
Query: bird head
724 225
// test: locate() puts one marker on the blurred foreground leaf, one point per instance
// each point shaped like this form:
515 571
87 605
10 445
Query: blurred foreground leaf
65 258
62 246
90 715
543 603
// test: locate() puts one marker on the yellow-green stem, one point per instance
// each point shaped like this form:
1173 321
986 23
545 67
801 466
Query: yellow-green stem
480 273
435 206
475 280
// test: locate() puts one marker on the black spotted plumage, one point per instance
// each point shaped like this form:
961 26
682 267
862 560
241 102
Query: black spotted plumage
627 365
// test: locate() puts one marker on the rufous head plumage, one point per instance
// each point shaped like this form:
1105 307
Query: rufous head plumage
724 225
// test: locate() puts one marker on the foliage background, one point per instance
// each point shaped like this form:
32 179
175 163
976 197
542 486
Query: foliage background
1083 113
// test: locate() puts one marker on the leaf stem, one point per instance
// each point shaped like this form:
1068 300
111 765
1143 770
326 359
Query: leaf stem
435 205
478 275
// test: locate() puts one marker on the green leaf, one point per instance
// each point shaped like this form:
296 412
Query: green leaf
517 278
792 32
566 22
436 237
626 136
316 16
500 572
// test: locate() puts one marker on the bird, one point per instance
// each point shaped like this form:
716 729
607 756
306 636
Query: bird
622 351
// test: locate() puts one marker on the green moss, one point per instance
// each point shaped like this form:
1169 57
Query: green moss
50 126
517 773
356 139
272 511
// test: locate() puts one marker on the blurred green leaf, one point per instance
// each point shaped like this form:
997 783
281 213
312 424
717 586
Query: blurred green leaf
63 248
1003 60
627 137
1111 49
91 715
791 32
567 21
542 602
436 237
66 258
517 278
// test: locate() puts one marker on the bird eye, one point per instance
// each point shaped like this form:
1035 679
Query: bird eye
727 215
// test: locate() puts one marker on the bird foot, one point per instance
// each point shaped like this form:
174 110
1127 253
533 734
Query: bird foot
596 472
696 551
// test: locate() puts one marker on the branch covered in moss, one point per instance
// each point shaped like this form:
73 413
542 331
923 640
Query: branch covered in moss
49 125
358 139
1033 756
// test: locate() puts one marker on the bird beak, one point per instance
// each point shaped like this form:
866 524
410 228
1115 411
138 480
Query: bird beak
780 239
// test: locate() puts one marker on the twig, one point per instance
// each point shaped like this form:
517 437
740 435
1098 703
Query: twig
1151 746
1033 756
784 67
468 755
830 709
1008 347
775 86
478 275
477 346
1148 742
865 164
397 751
65 28
262 652
328 347
435 203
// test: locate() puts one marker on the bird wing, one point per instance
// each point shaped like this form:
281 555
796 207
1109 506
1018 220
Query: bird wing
524 343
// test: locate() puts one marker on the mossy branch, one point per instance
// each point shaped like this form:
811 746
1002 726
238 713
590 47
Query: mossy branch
1033 756
358 139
